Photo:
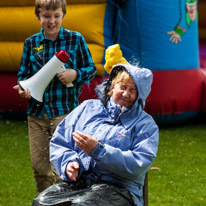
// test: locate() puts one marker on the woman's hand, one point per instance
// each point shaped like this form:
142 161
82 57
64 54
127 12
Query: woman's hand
84 141
24 94
67 76
72 170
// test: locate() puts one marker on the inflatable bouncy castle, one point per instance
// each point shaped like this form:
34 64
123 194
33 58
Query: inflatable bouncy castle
167 37
163 36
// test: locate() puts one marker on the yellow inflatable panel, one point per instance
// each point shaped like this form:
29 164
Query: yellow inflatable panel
88 20
19 24
32 2
10 56
22 22
17 3
97 52
11 53
82 16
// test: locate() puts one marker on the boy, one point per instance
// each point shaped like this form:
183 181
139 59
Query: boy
59 99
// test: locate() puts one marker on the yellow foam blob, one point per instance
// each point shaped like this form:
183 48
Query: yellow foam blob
113 56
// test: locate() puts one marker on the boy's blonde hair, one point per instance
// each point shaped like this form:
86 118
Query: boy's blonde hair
121 76
50 4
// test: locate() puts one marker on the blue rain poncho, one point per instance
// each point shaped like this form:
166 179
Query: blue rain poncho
128 137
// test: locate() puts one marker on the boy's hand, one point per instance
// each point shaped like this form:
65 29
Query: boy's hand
68 76
24 94
72 170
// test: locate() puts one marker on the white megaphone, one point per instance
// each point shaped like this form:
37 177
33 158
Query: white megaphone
39 81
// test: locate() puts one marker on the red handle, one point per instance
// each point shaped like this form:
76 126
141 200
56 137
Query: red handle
62 55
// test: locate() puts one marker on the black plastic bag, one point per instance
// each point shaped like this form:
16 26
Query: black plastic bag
98 194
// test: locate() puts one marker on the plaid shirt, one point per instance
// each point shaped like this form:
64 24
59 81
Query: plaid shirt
38 50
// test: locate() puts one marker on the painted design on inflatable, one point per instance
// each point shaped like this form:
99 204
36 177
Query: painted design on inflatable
184 22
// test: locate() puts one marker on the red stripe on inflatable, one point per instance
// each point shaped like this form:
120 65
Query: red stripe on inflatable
173 92
88 91
177 91
10 100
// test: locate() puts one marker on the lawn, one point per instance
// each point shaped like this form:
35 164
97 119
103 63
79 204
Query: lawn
17 183
178 178
181 178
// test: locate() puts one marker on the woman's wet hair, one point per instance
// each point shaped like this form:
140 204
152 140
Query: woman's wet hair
121 76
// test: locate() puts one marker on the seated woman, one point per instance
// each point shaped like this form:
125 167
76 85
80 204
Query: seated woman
104 147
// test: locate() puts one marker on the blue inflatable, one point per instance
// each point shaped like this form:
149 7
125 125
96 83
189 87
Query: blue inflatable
163 36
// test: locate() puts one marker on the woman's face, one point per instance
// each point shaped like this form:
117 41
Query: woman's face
125 94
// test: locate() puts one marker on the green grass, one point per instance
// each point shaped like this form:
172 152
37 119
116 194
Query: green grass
17 185
181 159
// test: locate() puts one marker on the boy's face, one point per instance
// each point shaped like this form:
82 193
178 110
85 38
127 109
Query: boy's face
51 21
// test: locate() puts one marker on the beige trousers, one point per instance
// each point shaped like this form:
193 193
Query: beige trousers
40 133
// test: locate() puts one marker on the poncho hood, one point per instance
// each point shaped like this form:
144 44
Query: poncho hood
143 80
142 77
